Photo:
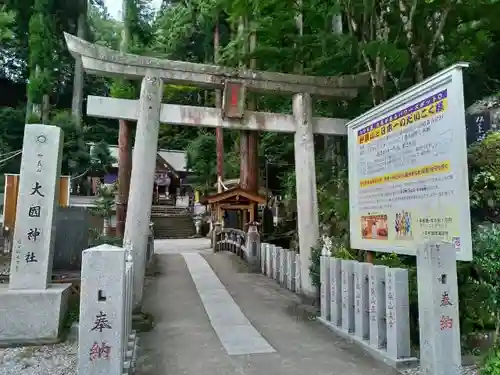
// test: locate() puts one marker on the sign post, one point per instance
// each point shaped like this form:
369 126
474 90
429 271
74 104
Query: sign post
409 194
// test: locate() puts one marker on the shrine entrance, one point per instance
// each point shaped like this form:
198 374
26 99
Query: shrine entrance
149 112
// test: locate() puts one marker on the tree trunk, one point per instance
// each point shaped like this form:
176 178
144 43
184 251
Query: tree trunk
124 143
219 135
331 142
243 133
45 109
33 108
253 136
78 81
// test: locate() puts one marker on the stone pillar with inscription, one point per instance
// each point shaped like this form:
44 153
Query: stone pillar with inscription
281 279
335 292
293 270
397 313
102 315
347 270
277 253
440 352
142 178
269 258
290 269
361 309
324 273
34 235
298 273
378 332
263 259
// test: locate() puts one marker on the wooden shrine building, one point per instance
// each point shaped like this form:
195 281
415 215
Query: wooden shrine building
235 207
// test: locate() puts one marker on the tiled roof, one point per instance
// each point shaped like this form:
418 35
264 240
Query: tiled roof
176 158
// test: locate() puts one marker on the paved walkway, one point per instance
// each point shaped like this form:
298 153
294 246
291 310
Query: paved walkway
214 318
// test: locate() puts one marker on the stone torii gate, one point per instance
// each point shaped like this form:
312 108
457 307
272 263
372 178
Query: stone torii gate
149 112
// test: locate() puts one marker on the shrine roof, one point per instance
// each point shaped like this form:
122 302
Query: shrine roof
233 195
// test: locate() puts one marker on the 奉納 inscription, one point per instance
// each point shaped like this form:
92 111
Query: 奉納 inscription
101 322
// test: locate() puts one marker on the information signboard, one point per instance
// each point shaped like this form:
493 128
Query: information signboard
408 178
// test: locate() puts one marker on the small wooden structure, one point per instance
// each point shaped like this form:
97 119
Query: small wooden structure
234 199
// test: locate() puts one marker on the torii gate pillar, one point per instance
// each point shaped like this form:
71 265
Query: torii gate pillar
305 180
142 179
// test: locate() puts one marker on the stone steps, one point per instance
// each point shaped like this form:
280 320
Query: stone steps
160 210
180 226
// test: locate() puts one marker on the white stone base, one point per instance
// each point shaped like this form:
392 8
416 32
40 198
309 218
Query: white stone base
378 354
32 316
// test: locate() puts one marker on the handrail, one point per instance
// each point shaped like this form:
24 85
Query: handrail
233 240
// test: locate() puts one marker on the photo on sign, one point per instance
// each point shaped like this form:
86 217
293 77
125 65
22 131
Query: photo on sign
403 225
374 227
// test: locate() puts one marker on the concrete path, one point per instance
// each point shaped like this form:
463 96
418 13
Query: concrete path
176 246
214 318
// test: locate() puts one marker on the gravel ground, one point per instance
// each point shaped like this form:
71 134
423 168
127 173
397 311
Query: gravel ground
59 359
465 370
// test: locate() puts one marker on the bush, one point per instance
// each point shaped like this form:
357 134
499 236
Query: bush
484 166
487 265
491 364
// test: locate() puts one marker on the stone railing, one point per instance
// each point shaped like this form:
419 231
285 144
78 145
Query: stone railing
233 240
282 265
368 304
107 345
244 244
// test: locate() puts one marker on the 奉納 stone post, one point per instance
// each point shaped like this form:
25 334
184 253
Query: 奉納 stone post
142 178
440 352
102 311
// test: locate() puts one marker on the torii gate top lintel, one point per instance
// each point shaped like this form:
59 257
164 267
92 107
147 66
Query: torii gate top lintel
103 61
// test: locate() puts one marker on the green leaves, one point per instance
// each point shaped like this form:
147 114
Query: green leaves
487 264
7 19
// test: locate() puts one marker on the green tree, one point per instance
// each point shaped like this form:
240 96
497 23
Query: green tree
7 19
76 157
101 159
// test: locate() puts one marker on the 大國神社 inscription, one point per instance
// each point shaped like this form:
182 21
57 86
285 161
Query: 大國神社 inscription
38 189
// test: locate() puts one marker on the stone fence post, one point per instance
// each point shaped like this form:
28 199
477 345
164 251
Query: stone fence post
216 235
368 304
253 246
